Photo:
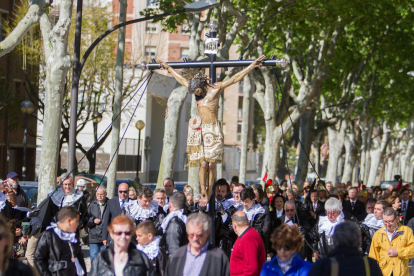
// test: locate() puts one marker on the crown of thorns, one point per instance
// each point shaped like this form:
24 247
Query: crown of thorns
193 73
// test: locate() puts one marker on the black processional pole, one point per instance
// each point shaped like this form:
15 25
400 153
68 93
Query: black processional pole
211 49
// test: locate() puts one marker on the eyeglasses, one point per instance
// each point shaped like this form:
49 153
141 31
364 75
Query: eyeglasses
389 222
120 233
197 235
289 210
122 192
331 213
285 248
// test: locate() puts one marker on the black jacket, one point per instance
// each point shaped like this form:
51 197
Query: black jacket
359 208
94 212
160 263
22 199
215 264
306 219
17 268
113 209
138 263
350 262
258 223
51 251
9 213
174 237
409 214
49 210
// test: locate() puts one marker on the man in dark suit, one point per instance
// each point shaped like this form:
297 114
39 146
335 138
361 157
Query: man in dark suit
353 205
115 207
289 217
407 206
370 206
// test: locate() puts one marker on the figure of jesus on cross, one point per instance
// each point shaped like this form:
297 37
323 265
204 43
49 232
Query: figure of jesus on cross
205 140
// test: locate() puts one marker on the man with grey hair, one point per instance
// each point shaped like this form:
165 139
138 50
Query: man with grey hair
345 258
173 226
96 212
393 245
198 257
324 229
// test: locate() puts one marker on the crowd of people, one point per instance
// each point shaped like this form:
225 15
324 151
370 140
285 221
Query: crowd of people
322 229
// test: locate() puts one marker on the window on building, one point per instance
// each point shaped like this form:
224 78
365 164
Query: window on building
150 51
241 86
152 3
151 28
239 131
240 108
185 30
184 52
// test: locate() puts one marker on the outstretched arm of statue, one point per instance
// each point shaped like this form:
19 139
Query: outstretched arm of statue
240 75
178 77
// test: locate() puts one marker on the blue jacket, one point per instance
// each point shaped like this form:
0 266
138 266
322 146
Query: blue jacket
299 268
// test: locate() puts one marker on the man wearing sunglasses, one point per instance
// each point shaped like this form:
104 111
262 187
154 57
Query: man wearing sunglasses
115 207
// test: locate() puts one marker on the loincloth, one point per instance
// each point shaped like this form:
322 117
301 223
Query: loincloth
204 142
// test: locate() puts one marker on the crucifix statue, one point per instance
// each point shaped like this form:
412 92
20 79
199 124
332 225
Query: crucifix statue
205 140
205 136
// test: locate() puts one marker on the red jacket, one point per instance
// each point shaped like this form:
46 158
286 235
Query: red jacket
248 254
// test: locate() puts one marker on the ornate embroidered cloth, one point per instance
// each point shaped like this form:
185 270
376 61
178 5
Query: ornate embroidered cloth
204 142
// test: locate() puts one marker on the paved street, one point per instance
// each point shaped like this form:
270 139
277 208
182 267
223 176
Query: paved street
85 251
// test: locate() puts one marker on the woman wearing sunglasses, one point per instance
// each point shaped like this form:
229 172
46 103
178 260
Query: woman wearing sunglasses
121 258
287 241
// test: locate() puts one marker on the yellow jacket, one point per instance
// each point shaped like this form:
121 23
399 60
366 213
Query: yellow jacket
403 242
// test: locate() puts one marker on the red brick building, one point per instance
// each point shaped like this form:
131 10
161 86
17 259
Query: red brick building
18 78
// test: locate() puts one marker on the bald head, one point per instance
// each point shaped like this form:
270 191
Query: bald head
123 190
240 219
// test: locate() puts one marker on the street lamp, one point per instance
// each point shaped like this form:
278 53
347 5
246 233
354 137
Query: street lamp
26 108
78 66
140 126
96 119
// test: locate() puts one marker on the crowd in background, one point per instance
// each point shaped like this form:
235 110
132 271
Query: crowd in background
278 229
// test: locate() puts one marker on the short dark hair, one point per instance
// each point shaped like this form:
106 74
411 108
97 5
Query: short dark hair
347 234
147 226
275 197
67 212
353 188
235 179
223 182
239 185
371 200
168 178
178 200
247 193
313 191
146 191
403 190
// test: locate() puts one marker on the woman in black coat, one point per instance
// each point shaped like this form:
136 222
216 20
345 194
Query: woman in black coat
121 257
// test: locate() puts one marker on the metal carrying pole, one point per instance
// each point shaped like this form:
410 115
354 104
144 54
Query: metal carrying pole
212 202
75 88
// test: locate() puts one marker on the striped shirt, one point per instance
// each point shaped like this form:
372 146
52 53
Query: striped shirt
193 263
